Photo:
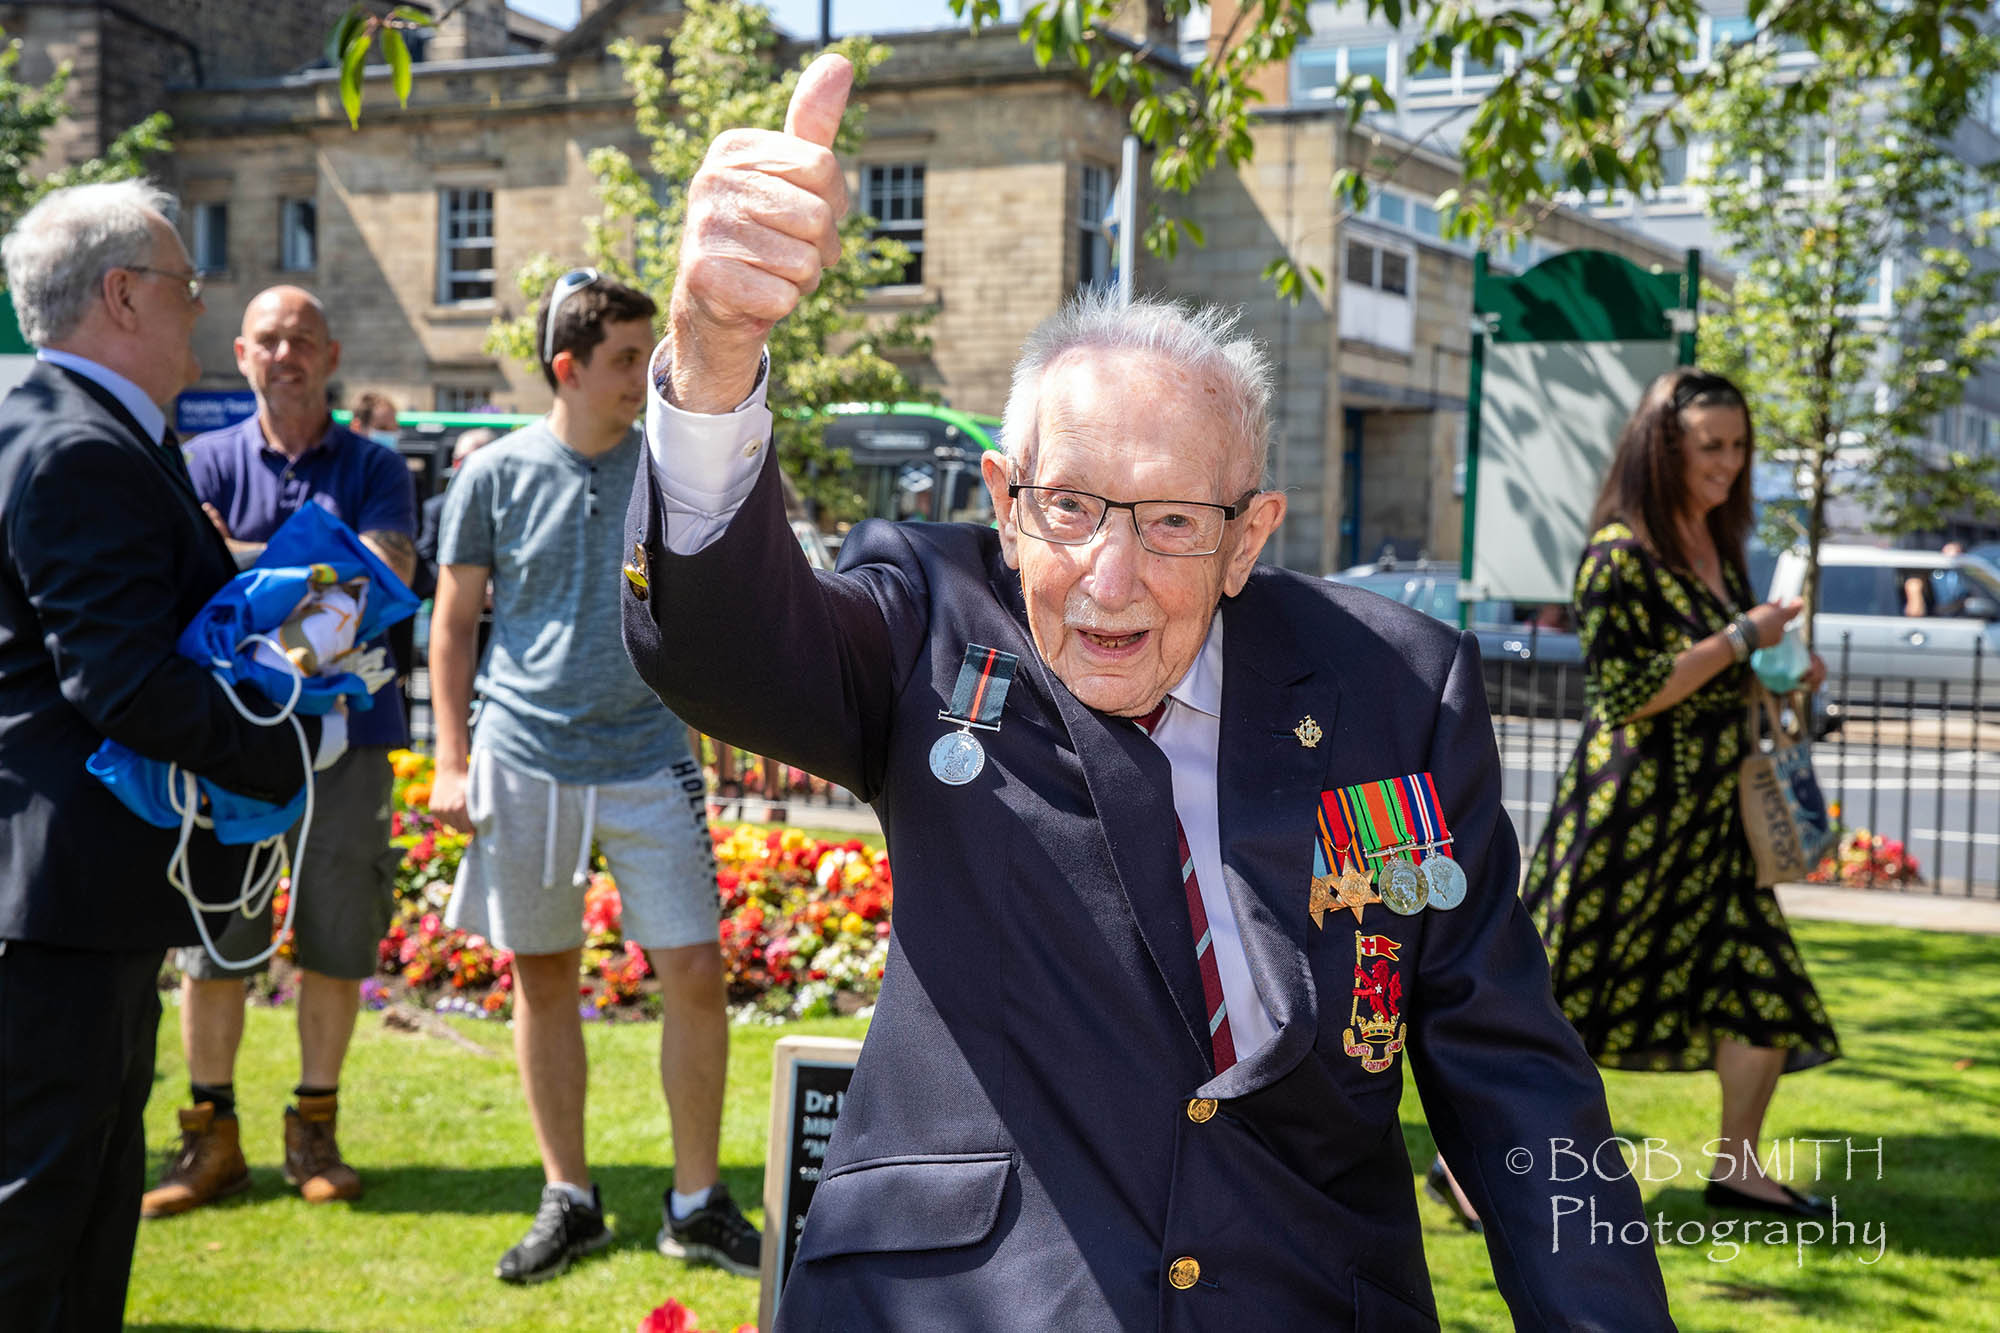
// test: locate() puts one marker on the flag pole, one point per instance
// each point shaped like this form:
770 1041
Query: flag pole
1128 212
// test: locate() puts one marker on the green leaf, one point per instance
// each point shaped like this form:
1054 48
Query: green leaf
350 77
343 33
409 15
399 64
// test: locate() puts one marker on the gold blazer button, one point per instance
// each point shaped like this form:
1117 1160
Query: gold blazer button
1201 1110
1184 1273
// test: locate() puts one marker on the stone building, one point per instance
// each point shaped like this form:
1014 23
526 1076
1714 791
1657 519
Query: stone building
420 218
996 174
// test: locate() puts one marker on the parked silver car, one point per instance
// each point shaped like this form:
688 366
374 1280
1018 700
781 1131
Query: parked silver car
1919 616
1526 665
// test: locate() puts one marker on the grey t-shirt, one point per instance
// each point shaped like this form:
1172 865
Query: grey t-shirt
562 700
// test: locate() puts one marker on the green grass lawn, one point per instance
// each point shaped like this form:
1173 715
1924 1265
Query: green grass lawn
436 1126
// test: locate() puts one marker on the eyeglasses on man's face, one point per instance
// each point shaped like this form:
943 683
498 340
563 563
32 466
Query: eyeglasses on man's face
568 285
1165 527
191 280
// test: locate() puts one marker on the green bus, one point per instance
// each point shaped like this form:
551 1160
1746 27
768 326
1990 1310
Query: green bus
916 461
427 440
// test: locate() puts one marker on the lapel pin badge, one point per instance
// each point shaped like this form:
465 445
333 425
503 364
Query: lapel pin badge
1308 732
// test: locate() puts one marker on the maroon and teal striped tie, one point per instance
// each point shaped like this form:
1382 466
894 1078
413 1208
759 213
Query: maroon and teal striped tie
1223 1043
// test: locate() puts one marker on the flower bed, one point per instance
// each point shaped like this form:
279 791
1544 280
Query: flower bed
804 925
1862 859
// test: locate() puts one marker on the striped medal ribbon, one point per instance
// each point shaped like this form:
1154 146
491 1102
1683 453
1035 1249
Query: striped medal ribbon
984 678
1396 878
1444 878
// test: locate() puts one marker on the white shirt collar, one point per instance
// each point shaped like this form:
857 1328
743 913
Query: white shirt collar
1201 687
129 395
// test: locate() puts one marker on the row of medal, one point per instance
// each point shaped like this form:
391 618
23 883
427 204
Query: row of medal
1384 842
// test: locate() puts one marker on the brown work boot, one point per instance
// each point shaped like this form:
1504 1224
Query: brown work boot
208 1167
312 1158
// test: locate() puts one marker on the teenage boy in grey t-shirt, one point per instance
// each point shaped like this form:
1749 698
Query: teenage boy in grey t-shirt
571 746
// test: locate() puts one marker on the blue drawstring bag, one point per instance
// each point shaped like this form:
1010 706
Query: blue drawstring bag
311 549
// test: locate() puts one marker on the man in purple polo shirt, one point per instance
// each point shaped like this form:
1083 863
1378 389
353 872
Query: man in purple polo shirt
251 478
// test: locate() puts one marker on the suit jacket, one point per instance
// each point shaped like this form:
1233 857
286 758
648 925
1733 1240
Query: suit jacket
1027 1141
105 556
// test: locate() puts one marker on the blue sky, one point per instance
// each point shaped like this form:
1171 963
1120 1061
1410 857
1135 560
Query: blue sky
801 17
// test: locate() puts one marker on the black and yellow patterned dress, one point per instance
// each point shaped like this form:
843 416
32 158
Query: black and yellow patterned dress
1643 886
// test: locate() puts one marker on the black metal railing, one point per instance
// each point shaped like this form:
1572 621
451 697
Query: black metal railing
1911 759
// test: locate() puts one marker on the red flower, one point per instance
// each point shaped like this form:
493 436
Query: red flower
673 1317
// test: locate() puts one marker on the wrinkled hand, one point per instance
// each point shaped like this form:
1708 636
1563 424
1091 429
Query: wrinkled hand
762 222
448 798
371 664
1770 618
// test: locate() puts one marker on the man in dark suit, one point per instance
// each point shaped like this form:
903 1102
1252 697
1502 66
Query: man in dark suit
105 555
1135 1059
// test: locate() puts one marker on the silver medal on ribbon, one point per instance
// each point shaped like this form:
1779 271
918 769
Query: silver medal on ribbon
1444 881
957 758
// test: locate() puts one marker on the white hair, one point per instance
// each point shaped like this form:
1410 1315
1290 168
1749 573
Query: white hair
60 250
1195 340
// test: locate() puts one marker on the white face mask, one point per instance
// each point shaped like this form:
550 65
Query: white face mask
385 437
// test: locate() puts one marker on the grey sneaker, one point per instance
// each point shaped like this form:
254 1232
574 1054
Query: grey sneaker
716 1233
563 1230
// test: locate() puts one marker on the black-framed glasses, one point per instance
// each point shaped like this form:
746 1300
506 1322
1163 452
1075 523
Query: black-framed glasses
568 285
1164 527
193 281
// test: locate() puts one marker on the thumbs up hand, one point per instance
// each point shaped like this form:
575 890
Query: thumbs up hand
762 219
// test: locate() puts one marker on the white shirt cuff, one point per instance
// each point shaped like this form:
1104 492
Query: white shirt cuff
332 740
705 466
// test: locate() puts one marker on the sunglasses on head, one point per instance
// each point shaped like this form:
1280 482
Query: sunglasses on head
1692 389
568 285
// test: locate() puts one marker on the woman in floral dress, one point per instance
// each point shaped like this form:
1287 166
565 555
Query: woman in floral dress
1665 953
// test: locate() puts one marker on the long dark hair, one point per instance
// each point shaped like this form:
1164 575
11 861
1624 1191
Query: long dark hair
1646 487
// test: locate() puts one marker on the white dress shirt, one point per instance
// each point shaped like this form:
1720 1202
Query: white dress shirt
706 466
129 395
1189 734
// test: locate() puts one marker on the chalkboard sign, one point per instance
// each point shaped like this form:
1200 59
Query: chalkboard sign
809 1082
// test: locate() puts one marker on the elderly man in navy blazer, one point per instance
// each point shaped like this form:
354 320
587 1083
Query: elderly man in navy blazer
105 555
1191 855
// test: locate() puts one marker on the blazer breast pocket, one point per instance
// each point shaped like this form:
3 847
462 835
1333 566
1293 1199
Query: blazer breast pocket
906 1203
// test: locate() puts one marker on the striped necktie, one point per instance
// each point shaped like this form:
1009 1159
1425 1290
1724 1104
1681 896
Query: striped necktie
1224 1045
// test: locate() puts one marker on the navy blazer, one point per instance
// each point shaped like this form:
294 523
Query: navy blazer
1027 1143
105 555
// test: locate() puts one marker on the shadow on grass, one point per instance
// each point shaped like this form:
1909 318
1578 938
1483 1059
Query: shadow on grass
631 1191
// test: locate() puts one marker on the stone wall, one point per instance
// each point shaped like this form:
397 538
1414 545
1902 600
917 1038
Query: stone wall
1002 151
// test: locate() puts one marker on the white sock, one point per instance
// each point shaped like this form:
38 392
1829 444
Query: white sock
577 1193
686 1204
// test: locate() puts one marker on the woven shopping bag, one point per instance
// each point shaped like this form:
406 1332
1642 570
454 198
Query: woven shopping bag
1784 813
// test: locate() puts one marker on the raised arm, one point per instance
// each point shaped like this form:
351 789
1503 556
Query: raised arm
724 620
763 218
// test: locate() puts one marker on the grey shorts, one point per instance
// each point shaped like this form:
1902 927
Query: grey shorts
517 882
347 881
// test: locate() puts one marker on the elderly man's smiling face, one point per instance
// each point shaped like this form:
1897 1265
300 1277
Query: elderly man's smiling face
1119 624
